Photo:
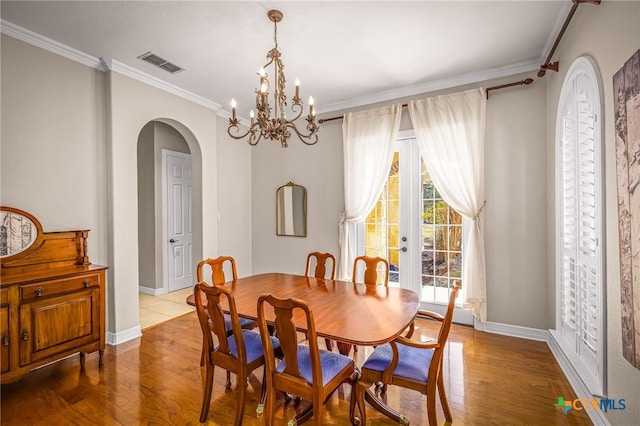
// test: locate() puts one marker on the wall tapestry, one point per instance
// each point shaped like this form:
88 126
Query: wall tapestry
626 94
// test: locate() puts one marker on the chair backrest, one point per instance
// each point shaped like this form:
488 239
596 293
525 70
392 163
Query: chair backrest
284 311
320 269
443 334
211 318
217 269
371 269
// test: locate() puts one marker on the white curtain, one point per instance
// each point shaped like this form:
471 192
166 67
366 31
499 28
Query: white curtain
450 133
368 138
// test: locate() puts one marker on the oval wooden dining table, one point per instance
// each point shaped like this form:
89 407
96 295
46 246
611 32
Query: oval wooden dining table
349 313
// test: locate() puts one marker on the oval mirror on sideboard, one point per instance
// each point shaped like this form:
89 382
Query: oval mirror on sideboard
18 231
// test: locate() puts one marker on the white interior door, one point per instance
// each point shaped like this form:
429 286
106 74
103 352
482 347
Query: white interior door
179 237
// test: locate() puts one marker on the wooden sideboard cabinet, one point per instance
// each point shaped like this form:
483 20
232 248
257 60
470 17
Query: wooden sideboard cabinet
52 299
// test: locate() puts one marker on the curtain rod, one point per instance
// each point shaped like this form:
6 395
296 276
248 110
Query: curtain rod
553 66
487 90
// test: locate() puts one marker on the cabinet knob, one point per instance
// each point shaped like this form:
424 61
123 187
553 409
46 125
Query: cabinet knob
25 335
39 291
85 283
5 339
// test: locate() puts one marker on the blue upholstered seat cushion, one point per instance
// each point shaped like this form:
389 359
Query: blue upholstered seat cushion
252 343
243 321
413 363
332 363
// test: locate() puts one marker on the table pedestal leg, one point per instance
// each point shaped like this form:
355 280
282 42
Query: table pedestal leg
383 408
303 416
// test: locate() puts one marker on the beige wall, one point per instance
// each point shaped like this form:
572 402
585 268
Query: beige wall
319 169
132 105
146 208
610 34
515 194
69 156
53 141
234 195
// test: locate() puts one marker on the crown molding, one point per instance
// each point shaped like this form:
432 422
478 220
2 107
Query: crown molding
100 64
430 86
103 64
51 45
117 66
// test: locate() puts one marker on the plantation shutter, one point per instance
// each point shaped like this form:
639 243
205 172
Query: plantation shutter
580 316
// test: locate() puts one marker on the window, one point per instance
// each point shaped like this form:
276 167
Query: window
580 307
442 243
382 226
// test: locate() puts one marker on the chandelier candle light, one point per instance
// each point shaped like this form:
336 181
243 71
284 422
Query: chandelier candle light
277 127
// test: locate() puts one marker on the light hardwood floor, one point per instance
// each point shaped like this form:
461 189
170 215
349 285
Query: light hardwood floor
156 379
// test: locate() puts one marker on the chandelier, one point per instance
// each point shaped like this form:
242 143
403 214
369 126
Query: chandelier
276 127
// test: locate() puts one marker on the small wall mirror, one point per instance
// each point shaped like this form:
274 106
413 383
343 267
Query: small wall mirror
291 210
18 231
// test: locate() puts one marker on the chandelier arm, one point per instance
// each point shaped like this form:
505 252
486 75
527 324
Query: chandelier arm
253 139
297 109
233 125
308 139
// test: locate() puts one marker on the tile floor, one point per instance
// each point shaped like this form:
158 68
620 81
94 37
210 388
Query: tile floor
158 309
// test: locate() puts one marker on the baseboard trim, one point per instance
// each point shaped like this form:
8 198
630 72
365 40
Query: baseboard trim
512 330
582 392
151 291
115 339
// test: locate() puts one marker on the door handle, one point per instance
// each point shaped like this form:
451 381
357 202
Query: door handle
173 241
403 249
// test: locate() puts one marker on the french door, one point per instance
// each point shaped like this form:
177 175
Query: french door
417 232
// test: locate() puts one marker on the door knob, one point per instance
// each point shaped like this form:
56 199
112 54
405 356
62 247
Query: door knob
403 249
173 241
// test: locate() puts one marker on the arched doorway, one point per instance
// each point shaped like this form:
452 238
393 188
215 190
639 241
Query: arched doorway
165 267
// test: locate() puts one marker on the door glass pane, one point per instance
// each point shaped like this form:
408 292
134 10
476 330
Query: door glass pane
382 224
442 244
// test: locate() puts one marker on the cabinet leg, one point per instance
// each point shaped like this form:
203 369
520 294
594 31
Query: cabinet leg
82 357
100 360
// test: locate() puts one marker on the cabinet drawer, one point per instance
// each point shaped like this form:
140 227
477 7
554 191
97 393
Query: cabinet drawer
56 287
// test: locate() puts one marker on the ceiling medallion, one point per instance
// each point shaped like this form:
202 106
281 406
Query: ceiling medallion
276 127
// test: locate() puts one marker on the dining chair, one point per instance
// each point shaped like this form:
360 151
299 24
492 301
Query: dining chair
320 260
412 365
238 351
320 271
304 371
370 276
218 277
371 265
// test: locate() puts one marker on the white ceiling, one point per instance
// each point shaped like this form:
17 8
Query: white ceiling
346 53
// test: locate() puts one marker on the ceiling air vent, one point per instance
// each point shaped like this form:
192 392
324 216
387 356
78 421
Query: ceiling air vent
159 62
